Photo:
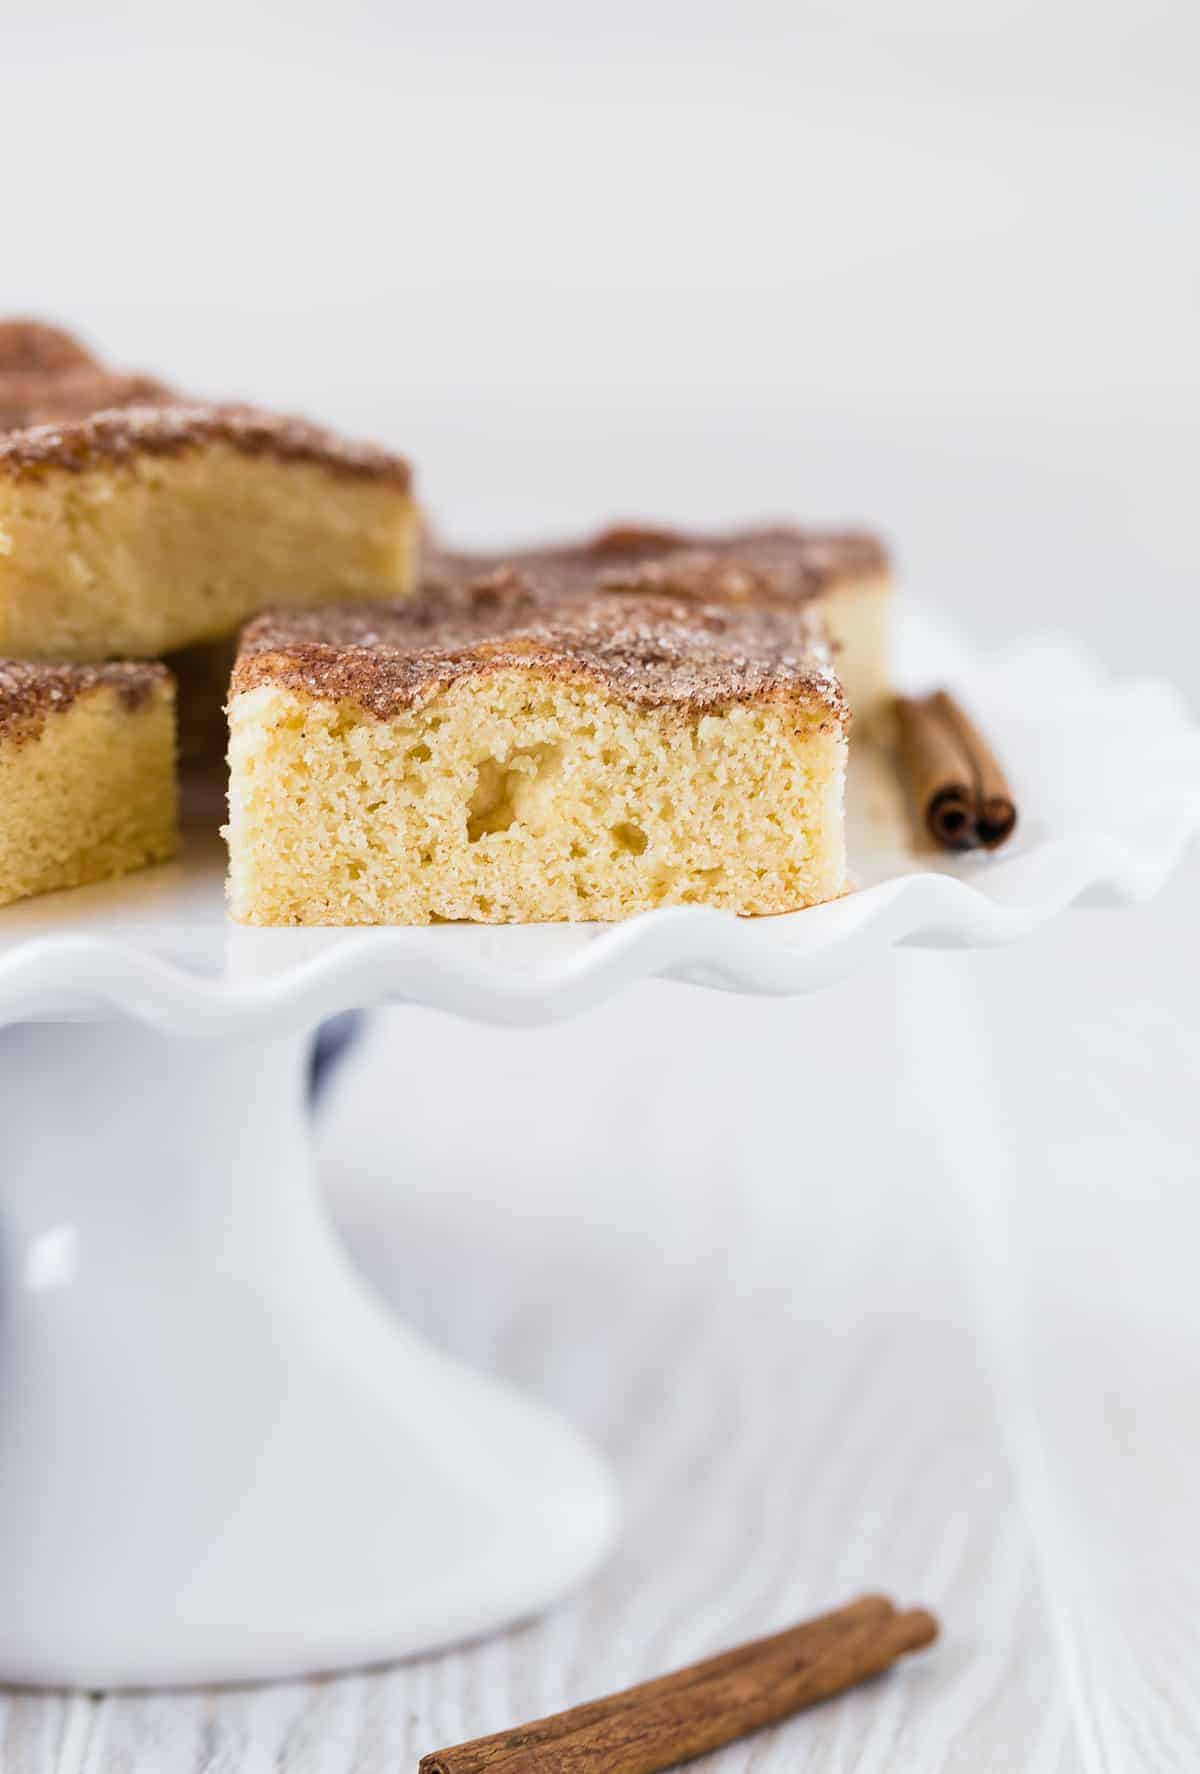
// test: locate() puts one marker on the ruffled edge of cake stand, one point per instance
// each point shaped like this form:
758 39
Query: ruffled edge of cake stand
280 981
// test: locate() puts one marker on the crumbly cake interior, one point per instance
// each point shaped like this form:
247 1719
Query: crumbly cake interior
87 784
140 555
514 798
515 764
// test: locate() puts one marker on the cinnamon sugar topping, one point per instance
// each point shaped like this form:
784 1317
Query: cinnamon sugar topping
30 693
63 409
651 651
30 347
125 434
778 564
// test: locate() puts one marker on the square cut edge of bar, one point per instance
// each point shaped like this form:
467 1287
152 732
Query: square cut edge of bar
573 763
87 774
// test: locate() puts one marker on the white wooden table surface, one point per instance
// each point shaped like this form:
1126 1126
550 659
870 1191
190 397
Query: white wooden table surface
870 1290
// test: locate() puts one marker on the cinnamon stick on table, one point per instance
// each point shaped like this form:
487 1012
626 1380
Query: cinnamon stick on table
675 1717
954 778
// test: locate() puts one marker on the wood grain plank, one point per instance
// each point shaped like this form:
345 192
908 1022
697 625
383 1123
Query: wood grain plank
777 1446
1093 1208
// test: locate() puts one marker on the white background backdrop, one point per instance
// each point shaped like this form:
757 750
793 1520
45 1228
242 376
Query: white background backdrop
928 265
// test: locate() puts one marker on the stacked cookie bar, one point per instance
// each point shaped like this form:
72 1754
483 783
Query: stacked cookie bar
841 574
132 522
581 731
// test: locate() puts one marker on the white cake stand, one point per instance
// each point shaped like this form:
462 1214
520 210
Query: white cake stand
219 1457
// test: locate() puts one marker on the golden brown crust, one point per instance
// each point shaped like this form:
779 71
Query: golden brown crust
30 693
47 377
31 347
36 399
65 410
777 564
123 435
651 651
791 561
773 566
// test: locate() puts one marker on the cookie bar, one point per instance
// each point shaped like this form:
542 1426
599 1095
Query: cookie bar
495 754
134 521
87 773
844 573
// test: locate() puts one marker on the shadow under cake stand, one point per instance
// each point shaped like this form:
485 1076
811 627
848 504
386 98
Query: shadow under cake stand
220 1456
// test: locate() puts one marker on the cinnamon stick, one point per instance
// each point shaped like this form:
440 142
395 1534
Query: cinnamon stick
996 811
482 1752
954 778
675 1717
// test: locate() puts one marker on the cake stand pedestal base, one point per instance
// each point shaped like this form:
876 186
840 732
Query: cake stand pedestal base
220 1458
